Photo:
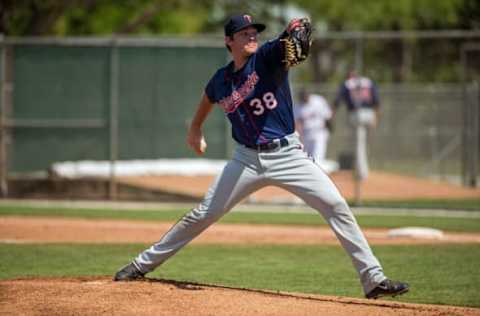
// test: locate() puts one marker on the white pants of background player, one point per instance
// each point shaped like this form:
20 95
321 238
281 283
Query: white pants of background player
290 168
361 120
316 144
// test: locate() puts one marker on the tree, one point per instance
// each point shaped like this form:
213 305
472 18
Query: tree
401 15
90 17
346 15
106 17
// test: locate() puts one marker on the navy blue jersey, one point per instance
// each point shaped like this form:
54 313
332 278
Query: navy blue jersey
357 92
255 98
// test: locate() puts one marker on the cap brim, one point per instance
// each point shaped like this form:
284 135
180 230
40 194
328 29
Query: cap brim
259 26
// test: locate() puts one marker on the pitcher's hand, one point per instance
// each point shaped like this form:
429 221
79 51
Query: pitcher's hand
196 141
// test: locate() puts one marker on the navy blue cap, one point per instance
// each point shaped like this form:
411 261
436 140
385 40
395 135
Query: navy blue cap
239 22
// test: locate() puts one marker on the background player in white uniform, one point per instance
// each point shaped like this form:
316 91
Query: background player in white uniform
311 116
254 93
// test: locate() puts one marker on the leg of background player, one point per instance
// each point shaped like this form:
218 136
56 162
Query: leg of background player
361 154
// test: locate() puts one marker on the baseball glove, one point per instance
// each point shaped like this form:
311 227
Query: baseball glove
297 41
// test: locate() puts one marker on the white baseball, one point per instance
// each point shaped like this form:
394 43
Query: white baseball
203 145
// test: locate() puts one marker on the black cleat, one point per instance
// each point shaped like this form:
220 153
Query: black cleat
388 288
129 273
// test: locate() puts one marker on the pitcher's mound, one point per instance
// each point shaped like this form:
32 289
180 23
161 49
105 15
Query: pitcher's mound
101 296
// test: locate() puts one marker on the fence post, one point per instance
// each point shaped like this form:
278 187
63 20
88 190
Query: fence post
114 72
471 116
359 53
474 135
6 100
3 147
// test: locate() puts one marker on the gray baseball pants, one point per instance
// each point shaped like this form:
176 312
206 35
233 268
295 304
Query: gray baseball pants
249 170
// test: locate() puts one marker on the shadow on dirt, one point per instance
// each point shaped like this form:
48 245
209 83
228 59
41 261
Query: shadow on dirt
194 286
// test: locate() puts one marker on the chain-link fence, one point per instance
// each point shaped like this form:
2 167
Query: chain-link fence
120 99
419 131
102 99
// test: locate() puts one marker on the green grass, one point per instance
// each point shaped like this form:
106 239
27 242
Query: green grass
472 204
88 213
308 219
441 274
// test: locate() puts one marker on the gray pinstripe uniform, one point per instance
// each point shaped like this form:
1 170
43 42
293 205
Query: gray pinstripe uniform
287 167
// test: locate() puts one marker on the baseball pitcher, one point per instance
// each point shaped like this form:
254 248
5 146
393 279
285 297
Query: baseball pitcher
254 93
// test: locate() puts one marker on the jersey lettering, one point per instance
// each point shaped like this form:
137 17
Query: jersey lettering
231 102
269 102
255 98
258 105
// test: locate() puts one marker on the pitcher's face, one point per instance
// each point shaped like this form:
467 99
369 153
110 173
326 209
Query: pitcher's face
244 41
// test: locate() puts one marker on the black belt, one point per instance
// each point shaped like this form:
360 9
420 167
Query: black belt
271 145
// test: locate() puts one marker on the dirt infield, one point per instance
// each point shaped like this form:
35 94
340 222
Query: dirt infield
101 296
47 230
378 186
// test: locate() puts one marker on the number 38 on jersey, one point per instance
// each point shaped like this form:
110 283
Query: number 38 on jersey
267 101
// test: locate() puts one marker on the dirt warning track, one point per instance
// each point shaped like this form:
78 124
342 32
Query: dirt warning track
44 230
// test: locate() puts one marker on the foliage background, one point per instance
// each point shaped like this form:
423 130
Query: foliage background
403 56
89 17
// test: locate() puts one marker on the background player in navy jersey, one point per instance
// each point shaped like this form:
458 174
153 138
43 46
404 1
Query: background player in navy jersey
253 91
360 95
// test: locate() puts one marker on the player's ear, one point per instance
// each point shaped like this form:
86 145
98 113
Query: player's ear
228 41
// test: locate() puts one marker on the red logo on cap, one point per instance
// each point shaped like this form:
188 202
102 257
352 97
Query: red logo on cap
248 18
